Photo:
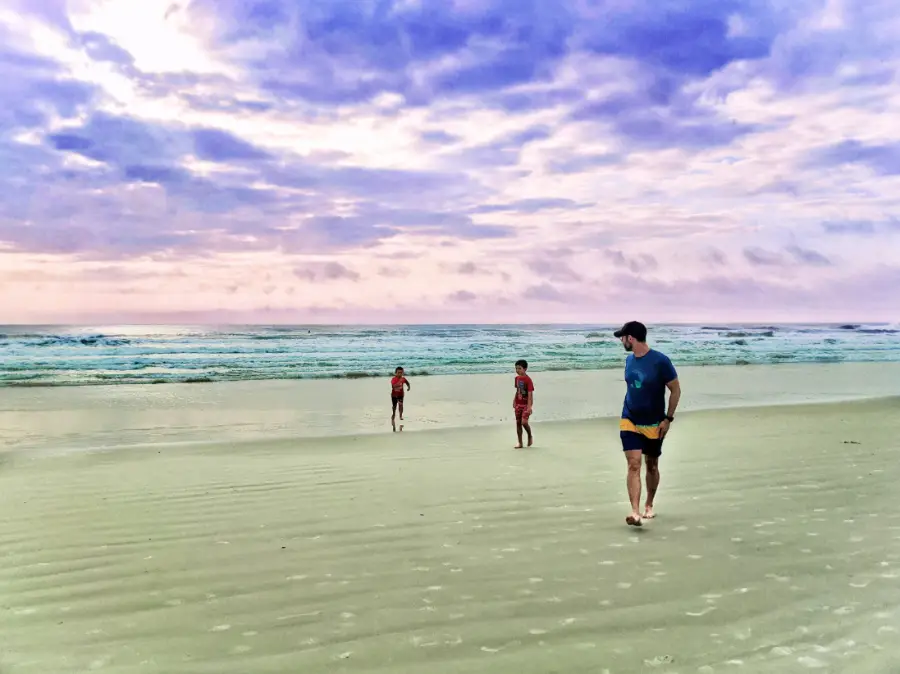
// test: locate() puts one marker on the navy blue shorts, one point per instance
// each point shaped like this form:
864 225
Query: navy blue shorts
632 441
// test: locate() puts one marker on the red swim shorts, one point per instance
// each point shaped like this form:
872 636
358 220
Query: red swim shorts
522 414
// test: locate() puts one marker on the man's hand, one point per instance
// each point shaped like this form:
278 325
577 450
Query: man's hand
664 428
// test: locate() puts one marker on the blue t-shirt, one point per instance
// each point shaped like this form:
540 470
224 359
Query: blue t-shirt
646 378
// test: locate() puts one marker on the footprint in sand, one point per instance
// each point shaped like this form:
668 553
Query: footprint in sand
659 661
698 614
811 663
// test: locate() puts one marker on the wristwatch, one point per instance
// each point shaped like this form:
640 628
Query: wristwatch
670 419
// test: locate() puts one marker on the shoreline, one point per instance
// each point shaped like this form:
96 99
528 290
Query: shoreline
122 416
354 376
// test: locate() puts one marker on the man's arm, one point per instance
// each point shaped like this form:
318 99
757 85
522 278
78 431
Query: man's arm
674 387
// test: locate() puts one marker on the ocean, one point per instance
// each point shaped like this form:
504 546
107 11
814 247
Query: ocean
78 356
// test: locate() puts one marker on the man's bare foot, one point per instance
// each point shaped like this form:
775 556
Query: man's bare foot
530 441
634 520
519 446
648 512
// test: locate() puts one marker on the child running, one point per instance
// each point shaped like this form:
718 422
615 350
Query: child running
523 400
397 392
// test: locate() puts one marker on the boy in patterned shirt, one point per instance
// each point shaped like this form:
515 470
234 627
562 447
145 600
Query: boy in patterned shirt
523 400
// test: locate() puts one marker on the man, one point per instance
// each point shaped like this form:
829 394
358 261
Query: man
645 418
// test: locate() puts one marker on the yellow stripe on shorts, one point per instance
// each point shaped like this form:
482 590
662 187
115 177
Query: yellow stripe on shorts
651 432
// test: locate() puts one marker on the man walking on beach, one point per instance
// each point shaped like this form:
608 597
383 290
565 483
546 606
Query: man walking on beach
645 417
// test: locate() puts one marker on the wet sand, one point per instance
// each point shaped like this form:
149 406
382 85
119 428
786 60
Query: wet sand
62 419
776 549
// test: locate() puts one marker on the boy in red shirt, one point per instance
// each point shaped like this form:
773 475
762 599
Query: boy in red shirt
397 392
523 400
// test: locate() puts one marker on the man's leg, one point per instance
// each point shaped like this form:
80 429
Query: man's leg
652 464
633 483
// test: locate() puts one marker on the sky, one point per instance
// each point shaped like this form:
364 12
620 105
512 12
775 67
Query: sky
347 161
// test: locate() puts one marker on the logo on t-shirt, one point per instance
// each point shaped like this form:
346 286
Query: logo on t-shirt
523 386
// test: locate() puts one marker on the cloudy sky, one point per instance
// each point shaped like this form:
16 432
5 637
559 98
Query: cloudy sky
449 160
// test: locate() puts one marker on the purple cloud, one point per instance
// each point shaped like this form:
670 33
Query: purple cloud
639 263
440 137
554 270
122 141
327 271
35 88
863 227
544 292
677 121
584 163
220 146
883 159
463 296
761 257
530 206
469 269
493 46
715 257
505 151
152 154
809 257
102 48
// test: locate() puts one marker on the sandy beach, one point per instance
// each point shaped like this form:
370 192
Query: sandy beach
776 549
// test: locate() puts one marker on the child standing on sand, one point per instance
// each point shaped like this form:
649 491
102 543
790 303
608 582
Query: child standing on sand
523 400
397 392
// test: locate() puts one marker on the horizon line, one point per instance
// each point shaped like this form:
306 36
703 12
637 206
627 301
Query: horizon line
761 323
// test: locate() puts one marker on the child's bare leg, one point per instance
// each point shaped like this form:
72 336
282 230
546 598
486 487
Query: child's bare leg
527 428
519 433
400 405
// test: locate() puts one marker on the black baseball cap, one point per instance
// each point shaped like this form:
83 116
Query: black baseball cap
634 329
